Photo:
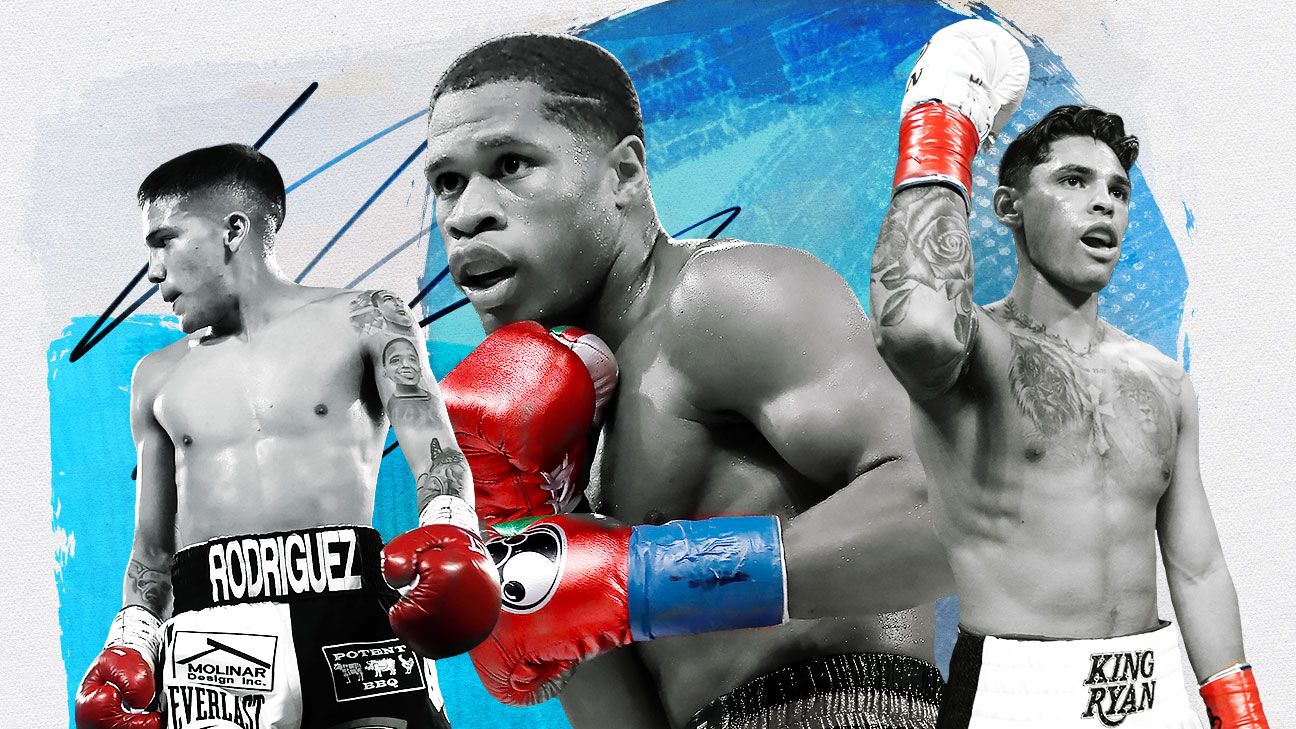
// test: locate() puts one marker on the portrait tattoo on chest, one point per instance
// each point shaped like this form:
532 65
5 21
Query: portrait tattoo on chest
373 312
447 475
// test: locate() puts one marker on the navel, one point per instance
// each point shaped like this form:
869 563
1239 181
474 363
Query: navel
186 439
321 410
1034 453
654 517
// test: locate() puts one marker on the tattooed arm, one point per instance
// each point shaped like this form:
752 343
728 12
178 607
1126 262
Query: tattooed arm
921 290
148 573
410 396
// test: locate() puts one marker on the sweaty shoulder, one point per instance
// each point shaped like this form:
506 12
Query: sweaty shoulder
765 315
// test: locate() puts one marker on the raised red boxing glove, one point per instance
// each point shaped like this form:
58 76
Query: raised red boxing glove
452 600
522 404
119 687
1233 700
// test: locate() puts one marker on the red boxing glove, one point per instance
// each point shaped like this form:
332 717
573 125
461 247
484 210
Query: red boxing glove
576 586
565 600
119 686
1233 700
521 404
453 595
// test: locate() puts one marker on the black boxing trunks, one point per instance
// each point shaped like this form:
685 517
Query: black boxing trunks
1131 681
851 691
290 629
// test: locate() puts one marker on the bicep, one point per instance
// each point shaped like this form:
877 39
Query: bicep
846 417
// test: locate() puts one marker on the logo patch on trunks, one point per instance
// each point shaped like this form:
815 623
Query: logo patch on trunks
362 670
238 661
1120 684
529 566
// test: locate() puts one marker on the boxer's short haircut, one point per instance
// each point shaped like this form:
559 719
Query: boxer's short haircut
235 167
1031 147
591 92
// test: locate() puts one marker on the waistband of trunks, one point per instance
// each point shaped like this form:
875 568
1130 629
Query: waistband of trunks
277 567
861 689
1059 680
1028 653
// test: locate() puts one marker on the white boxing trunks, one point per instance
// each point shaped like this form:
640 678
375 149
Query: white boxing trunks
289 631
1131 681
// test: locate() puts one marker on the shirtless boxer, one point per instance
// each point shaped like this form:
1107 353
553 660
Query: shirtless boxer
749 384
259 437
1060 449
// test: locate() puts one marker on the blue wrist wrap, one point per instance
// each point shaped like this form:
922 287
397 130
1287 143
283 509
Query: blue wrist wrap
690 577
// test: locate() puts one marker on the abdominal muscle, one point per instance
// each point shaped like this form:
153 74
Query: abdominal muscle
274 484
1061 557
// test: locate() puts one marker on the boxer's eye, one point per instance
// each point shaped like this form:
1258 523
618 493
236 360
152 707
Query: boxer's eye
511 165
448 183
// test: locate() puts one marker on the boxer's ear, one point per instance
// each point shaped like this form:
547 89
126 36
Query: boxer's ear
1006 204
628 161
237 226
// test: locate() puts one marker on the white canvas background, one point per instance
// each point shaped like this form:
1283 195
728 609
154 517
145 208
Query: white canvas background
1206 86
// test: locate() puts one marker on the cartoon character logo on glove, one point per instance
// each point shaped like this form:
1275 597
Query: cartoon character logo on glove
529 566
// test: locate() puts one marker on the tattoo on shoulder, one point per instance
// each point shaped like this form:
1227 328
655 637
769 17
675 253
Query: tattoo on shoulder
152 584
380 311
925 244
447 475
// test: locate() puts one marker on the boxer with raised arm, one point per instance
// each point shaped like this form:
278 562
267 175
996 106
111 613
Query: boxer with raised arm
253 596
755 459
1060 449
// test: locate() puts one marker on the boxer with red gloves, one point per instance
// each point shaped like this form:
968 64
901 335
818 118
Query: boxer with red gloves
1060 449
749 384
259 436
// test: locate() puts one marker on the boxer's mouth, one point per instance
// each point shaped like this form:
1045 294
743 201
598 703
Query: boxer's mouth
484 279
1099 236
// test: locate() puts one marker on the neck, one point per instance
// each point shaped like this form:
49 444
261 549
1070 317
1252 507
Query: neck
260 294
622 301
1070 315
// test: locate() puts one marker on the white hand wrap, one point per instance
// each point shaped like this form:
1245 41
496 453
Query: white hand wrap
137 627
451 510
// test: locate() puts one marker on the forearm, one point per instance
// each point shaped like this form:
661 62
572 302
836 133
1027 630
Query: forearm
1207 609
443 471
921 288
613 689
148 579
875 535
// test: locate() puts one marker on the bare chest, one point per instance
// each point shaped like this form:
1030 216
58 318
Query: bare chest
289 381
661 458
1106 408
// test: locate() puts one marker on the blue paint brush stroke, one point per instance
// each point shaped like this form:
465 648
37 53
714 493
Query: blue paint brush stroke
787 108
